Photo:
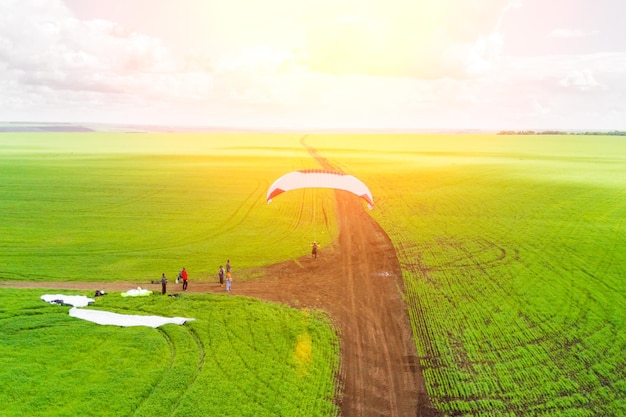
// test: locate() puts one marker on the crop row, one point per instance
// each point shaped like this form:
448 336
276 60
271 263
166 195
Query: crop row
516 307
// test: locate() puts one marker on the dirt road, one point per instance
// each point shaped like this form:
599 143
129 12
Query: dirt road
359 283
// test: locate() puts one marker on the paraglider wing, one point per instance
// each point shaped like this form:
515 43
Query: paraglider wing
317 178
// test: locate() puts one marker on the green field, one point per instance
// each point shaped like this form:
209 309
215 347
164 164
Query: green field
513 248
112 214
514 258
239 357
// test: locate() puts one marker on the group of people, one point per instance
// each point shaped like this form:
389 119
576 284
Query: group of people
182 276
224 275
229 278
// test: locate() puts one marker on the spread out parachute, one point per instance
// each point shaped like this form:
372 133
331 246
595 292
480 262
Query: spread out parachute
319 178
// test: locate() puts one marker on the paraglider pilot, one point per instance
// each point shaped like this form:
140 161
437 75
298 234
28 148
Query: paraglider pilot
314 247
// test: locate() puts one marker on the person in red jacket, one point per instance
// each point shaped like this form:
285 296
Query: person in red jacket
185 278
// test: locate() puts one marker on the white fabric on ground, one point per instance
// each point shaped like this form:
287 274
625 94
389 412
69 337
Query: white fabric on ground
139 292
125 320
73 300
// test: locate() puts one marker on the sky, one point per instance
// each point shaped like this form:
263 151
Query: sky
323 64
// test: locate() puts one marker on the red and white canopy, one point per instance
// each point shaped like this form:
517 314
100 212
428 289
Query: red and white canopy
319 178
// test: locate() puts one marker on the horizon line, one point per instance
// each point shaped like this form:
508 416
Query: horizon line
86 127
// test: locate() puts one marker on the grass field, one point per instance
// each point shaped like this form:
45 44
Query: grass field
239 357
514 260
110 214
513 249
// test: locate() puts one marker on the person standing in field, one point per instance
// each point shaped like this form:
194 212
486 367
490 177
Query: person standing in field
220 274
163 284
228 266
229 281
314 247
185 278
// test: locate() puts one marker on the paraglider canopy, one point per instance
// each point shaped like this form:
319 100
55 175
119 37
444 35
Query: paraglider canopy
320 178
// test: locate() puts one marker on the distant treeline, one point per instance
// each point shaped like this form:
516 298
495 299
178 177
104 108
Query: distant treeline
560 132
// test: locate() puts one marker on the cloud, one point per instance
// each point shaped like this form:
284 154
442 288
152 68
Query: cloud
51 56
540 109
582 80
447 38
566 91
570 33
262 59
392 64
